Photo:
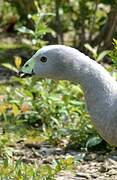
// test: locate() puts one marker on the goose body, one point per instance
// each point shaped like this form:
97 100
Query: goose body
100 89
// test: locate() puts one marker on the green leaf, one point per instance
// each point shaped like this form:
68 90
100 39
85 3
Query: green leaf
92 50
55 121
113 53
11 67
93 141
102 54
26 30
5 162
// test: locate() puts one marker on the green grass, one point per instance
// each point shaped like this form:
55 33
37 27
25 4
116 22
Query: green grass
13 167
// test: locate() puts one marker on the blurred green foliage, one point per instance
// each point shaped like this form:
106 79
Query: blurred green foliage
72 22
113 53
40 28
56 110
58 106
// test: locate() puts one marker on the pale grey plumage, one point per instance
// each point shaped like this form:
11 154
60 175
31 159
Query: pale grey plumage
100 89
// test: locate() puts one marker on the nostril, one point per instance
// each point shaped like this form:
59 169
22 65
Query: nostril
26 65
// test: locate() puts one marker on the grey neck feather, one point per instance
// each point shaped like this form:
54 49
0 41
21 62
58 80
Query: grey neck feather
100 91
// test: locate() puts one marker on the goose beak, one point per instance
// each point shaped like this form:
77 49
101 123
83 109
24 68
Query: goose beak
28 69
24 75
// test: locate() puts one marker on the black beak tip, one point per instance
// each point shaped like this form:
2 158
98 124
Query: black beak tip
23 75
19 74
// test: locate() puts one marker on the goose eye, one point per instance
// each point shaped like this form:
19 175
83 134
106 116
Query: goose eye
43 59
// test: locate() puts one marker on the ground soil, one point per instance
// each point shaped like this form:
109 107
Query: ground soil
99 165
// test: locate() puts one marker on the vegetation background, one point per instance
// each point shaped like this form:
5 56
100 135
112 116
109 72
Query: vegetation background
36 113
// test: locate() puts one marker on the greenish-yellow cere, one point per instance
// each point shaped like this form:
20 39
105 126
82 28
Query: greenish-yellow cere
28 66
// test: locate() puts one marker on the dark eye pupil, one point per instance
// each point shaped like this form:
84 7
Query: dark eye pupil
43 59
